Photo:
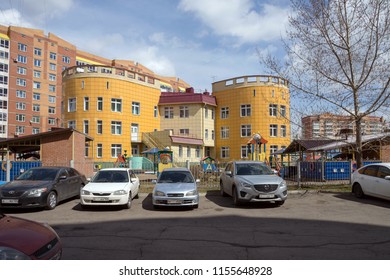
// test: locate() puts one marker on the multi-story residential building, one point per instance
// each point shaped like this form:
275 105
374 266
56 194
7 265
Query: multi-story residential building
331 126
187 120
247 106
31 66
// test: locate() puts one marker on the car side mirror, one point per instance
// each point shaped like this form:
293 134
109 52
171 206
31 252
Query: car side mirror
229 173
387 178
197 181
154 181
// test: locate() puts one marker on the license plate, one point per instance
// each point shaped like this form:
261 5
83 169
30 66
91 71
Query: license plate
10 201
173 201
100 198
266 196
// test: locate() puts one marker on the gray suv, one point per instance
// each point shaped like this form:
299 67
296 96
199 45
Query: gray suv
252 181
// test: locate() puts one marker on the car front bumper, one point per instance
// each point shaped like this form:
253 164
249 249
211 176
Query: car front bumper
104 200
176 201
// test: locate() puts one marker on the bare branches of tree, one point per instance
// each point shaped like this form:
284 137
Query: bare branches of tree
338 56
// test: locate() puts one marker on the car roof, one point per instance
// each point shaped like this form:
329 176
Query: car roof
387 164
176 169
115 169
247 161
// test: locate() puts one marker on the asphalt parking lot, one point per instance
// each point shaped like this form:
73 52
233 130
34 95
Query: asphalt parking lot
318 226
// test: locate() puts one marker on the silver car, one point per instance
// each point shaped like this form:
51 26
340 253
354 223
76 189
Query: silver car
176 187
252 181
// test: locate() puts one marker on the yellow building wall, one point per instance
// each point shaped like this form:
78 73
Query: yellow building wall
259 93
93 86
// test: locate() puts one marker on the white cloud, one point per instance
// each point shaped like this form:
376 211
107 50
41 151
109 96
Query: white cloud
240 18
13 17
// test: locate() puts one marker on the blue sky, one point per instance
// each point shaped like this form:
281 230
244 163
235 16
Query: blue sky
199 41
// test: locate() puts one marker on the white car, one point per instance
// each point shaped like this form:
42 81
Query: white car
372 180
111 186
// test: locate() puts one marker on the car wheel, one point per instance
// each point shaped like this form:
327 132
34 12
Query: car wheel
128 204
51 201
236 200
358 191
221 189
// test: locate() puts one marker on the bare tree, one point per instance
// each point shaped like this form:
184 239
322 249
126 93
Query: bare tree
338 55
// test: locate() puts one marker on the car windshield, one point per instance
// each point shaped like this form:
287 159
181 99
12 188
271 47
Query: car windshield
39 174
111 176
175 177
253 169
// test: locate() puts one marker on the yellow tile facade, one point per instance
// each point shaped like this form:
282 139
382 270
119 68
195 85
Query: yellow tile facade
86 83
257 103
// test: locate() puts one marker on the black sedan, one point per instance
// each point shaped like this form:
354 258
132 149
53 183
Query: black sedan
42 187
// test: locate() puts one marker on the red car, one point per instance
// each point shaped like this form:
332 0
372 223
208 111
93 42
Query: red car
22 239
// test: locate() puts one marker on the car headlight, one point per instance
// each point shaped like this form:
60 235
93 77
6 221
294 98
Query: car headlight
7 253
158 193
85 192
120 192
194 192
245 184
36 192
283 184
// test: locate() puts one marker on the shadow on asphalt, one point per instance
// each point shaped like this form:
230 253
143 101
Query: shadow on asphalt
365 200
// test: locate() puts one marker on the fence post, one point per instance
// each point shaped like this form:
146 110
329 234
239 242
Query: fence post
8 171
299 174
187 164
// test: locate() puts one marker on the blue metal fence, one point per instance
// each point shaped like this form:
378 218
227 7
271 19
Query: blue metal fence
17 168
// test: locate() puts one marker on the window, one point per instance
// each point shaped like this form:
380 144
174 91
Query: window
99 127
66 59
52 77
19 130
168 112
188 151
116 149
283 110
37 62
184 131
19 82
99 150
245 110
72 105
86 151
22 47
184 112
206 134
206 112
86 103
20 105
273 110
224 112
244 151
213 114
4 67
37 51
4 43
22 70
20 117
53 56
283 131
116 127
197 151
273 130
52 88
36 108
4 92
135 108
155 112
3 117
180 151
21 93
53 67
52 99
212 134
36 96
51 110
36 85
3 104
37 74
246 130
3 55
225 153
116 105
72 124
273 148
86 126
224 132
4 80
100 103
35 119
51 121
22 59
